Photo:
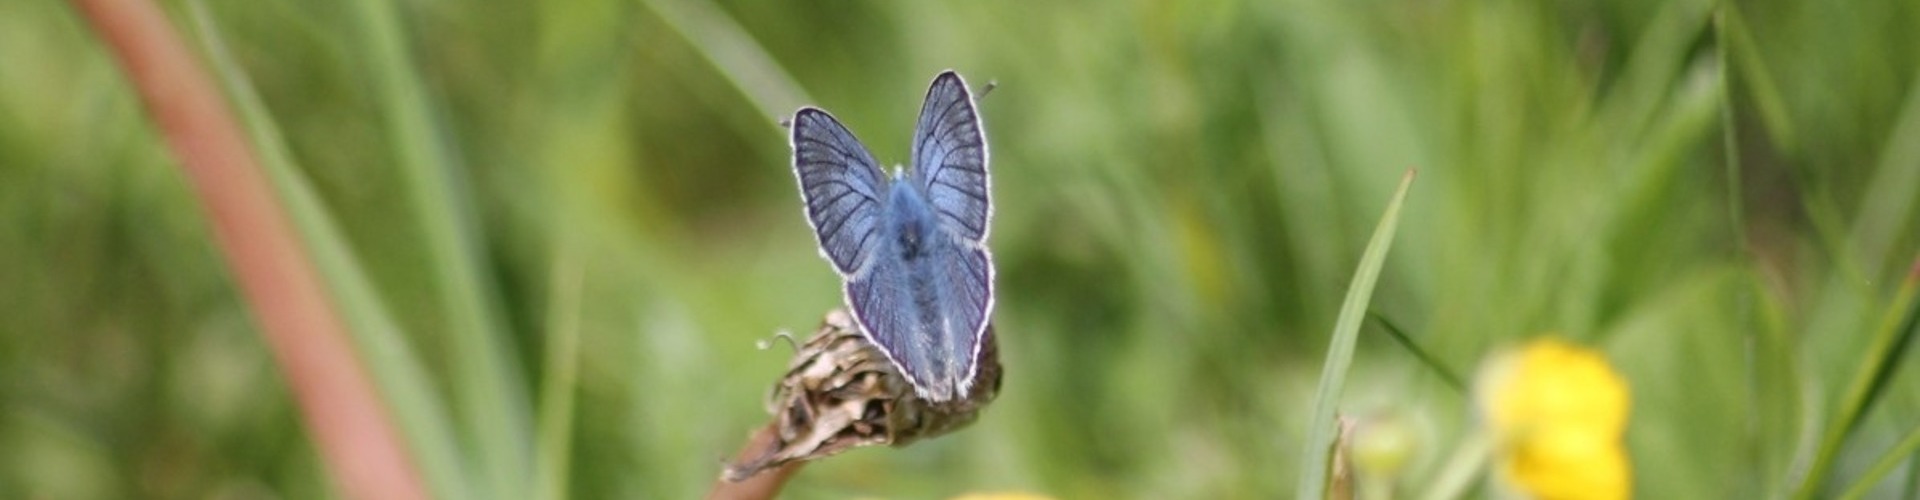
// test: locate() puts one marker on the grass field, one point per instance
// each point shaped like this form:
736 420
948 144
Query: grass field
565 225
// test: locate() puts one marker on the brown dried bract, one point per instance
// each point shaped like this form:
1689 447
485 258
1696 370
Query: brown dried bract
840 393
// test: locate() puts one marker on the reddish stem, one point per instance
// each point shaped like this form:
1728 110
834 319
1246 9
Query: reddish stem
343 414
761 486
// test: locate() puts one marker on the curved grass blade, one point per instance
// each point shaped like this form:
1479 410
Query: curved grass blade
1896 331
1447 375
1891 193
1346 330
1901 451
401 379
730 48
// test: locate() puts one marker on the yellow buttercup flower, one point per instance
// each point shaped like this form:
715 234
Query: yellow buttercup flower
1558 412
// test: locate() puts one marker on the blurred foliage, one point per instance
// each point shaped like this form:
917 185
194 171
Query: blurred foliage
1722 197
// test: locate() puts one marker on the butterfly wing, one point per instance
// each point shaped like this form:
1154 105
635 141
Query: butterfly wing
927 313
926 308
843 188
950 158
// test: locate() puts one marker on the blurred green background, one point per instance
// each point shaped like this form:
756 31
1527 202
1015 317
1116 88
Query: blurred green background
1182 188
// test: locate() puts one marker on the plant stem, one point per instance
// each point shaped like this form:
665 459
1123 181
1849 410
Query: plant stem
336 398
1903 450
767 483
1895 331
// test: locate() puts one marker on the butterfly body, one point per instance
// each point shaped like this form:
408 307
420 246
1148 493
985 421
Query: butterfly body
910 247
913 224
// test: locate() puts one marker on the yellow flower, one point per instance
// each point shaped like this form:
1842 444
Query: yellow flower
1558 412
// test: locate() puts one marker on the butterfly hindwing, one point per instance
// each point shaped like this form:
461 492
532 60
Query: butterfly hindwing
927 313
843 187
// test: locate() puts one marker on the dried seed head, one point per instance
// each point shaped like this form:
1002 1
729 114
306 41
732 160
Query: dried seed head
841 393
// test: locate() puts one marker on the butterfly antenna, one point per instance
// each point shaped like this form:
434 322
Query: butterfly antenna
765 344
991 84
785 122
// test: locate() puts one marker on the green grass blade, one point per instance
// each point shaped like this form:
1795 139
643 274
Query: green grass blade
557 385
1729 139
731 49
487 386
1895 332
1912 490
1886 352
1447 374
1463 467
1771 371
1346 331
1754 76
1737 225
1901 451
403 382
1894 189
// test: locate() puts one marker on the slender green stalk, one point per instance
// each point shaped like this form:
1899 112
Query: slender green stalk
1902 451
724 43
1754 75
1447 375
1346 332
1757 342
397 372
1912 489
492 401
1729 140
1887 205
1896 329
1468 458
557 387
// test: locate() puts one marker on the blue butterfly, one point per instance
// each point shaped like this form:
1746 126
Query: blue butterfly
911 247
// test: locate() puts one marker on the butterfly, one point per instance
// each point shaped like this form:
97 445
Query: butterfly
910 247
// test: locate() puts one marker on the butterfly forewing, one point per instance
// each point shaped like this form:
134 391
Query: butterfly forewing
843 188
950 158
